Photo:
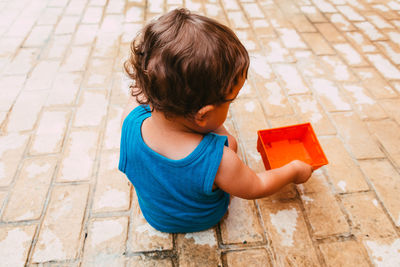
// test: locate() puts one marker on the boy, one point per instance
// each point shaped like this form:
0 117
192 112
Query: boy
174 148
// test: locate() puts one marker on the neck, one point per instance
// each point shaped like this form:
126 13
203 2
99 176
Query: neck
173 124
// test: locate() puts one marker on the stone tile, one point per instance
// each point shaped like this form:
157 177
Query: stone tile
9 45
12 147
324 6
383 252
371 80
134 14
388 134
141 261
230 5
340 22
251 258
275 51
370 30
143 237
309 110
33 183
346 253
394 36
342 170
198 247
92 15
50 16
98 74
241 224
386 183
391 106
23 62
337 69
350 13
79 154
350 55
237 19
309 65
61 232
329 32
318 44
247 91
362 44
291 79
253 10
274 100
3 195
106 45
57 46
290 38
368 219
322 209
67 25
260 68
330 96
50 132
282 121
248 40
75 7
263 28
85 34
65 89
25 111
42 75
105 243
8 96
313 14
287 230
364 103
278 19
113 128
15 242
116 6
378 21
91 109
249 118
38 36
384 11
76 59
356 135
112 188
391 50
301 23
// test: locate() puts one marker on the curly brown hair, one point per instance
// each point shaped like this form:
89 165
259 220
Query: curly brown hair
182 62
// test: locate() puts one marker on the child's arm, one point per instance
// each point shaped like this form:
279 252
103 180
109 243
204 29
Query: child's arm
231 139
236 178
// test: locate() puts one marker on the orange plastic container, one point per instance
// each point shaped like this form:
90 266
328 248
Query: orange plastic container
280 146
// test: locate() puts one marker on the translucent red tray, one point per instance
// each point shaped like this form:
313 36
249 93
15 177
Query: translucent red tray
280 146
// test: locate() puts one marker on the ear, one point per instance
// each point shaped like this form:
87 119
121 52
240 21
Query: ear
201 116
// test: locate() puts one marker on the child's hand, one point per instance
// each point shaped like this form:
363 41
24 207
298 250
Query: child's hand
304 171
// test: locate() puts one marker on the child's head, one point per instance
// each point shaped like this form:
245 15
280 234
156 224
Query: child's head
182 62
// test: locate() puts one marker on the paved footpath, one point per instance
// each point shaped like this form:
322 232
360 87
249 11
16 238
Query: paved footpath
335 63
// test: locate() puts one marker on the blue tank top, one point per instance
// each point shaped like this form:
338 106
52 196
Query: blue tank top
175 196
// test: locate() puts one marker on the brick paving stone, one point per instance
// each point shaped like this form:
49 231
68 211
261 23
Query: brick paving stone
275 52
322 209
15 242
105 242
342 169
324 6
61 232
301 23
391 108
49 16
260 68
385 12
346 253
241 224
394 36
26 110
143 237
9 45
274 100
42 75
361 43
337 69
391 50
356 135
33 183
66 25
38 36
113 188
370 30
378 21
313 14
309 65
248 40
329 32
378 86
365 105
92 108
277 18
92 15
310 111
79 155
50 132
388 134
76 59
98 74
141 261
386 183
113 128
65 89
134 14
75 7
106 45
116 6
384 252
3 195
57 46
249 118
291 79
330 96
368 219
253 157
387 69
317 43
282 121
290 38
251 258
290 240
237 19
253 10
340 22
247 91
23 62
85 34
198 249
263 28
8 96
350 55
350 13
